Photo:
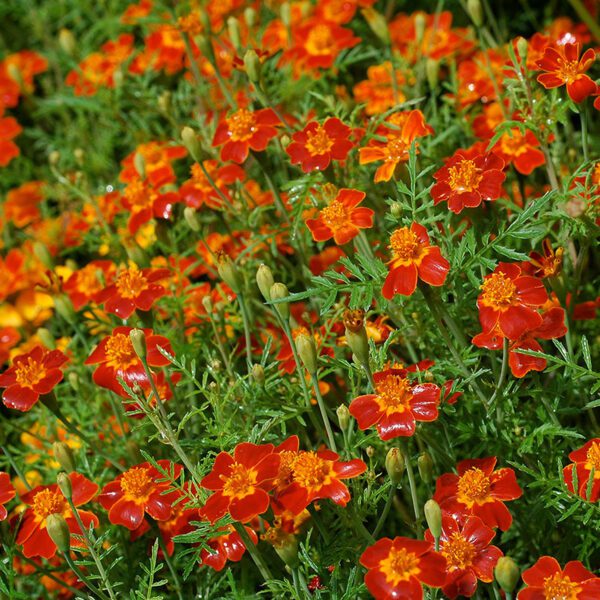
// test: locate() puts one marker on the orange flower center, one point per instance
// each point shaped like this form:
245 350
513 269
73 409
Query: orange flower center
394 394
318 141
405 245
88 280
400 565
320 41
139 195
136 483
46 503
498 291
120 353
474 488
131 283
568 70
397 150
298 331
513 144
593 459
559 587
30 373
335 216
240 482
459 553
242 125
286 468
465 176
312 472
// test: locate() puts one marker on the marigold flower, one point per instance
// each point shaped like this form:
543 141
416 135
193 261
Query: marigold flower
546 264
396 149
240 482
413 258
563 66
9 129
520 150
377 91
198 190
585 460
22 203
86 283
317 145
318 475
466 181
396 404
139 490
225 547
31 375
116 360
243 131
397 568
509 300
7 493
46 500
133 288
469 557
547 581
342 219
479 490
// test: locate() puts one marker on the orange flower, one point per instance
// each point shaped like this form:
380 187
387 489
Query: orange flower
585 460
84 285
520 150
198 190
342 219
9 129
22 203
377 91
158 169
225 547
396 149
7 493
474 81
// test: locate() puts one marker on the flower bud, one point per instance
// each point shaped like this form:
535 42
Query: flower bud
228 272
46 338
79 155
356 334
207 303
64 308
475 12
15 74
250 17
64 456
58 530
64 484
370 451
73 380
305 344
395 465
279 291
138 341
343 415
233 28
522 48
118 77
377 23
189 214
286 14
53 158
139 162
41 252
285 544
425 466
190 141
420 24
164 102
66 41
507 574
258 373
265 281
205 45
433 516
252 65
432 68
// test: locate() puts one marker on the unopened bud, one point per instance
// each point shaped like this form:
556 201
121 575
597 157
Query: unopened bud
59 533
305 344
420 23
41 251
205 45
522 48
138 341
252 65
46 338
377 23
286 14
53 158
265 281
356 334
229 272
284 543
250 17
79 155
258 374
370 451
279 291
425 466
432 68
395 465
433 516
64 308
189 214
233 28
208 304
65 485
507 574
64 456
343 415
139 162
164 102
475 12
66 41
396 209
118 78
73 380
190 141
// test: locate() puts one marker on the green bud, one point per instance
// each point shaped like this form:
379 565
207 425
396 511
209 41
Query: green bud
522 48
475 12
189 214
377 23
41 251
207 303
425 466
258 373
432 68
279 291
419 27
138 341
395 465
286 14
265 281
64 308
356 334
53 158
65 485
190 141
250 17
229 272
507 573
73 380
66 41
64 456
46 338
59 533
343 415
433 516
164 102
233 28
305 344
252 65
139 162
79 155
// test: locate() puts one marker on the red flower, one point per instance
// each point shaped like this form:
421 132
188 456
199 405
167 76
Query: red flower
31 375
342 219
316 475
466 181
7 493
547 581
138 491
46 500
84 285
133 288
9 129
397 568
240 482
116 360
396 404
547 264
244 130
198 190
469 556
478 490
317 145
225 547
520 150
563 66
585 459
413 259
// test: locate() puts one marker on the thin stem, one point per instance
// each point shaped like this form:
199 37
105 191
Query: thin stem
167 559
386 510
413 492
16 469
83 577
583 115
246 321
550 410
213 184
266 102
503 370
586 17
324 415
254 552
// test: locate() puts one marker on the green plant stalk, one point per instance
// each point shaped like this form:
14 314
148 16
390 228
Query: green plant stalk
413 491
584 132
172 570
386 510
586 17
262 96
503 370
254 553
324 414
16 469
246 321
83 577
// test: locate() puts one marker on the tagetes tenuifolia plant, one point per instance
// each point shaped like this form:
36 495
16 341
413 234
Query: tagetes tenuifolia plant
299 300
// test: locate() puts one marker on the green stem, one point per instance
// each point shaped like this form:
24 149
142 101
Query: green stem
167 559
584 131
586 17
386 510
16 469
323 410
551 412
254 553
265 102
246 320
83 577
503 370
413 492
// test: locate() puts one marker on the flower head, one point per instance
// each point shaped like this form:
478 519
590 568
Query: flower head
7 493
586 460
225 547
